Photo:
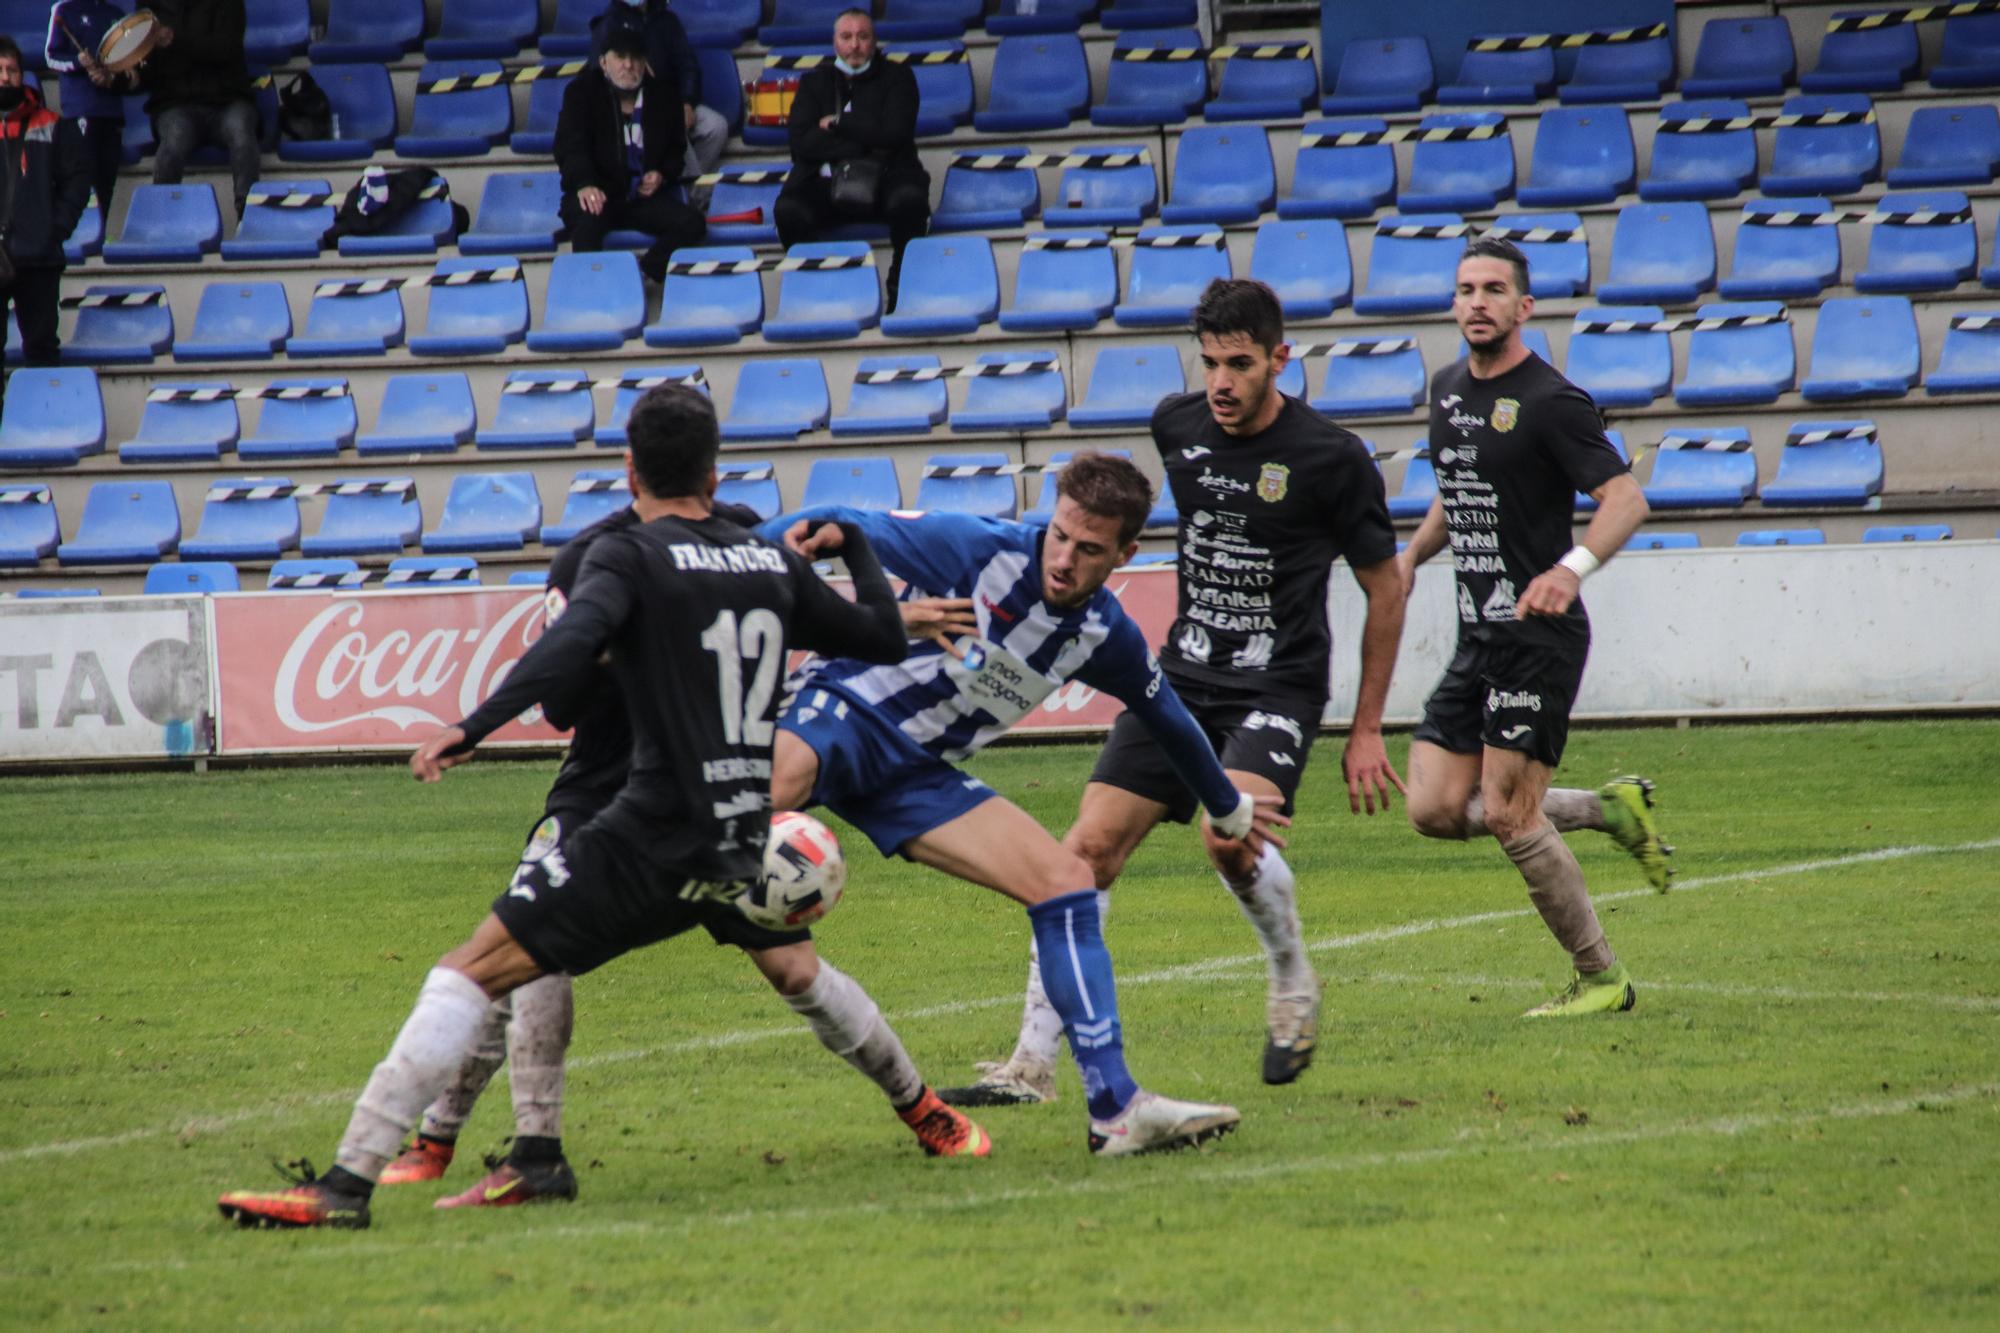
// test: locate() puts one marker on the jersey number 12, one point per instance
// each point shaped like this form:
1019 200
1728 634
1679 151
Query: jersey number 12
759 638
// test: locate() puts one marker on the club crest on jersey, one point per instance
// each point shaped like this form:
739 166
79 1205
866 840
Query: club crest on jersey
1506 412
1272 479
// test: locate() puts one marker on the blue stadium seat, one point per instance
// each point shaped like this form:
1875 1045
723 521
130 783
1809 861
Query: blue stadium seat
595 302
1783 263
1222 174
374 524
331 567
819 305
124 523
750 482
168 224
301 427
245 529
1700 166
1622 72
1837 471
1864 347
800 22
986 497
1660 253
467 123
904 20
950 288
1908 532
1555 267
1127 383
568 33
477 319
1261 89
1876 60
1702 478
519 213
1104 196
273 231
1824 159
474 29
1039 82
731 195
1781 537
369 30
1906 258
1163 285
110 334
975 200
487 511
237 321
1492 78
1034 401
1462 176
1410 275
1119 15
88 237
611 429
184 432
1382 74
1330 182
777 400
721 89
422 414
1970 359
1968 53
1057 290
858 483
1306 264
1413 497
28 526
708 310
1581 157
415 565
719 22
275 31
191 577
1620 369
1739 365
363 325
364 116
1663 541
52 418
1742 57
427 225
584 504
1388 383
26 594
1949 145
1022 16
907 408
529 578
1149 92
944 91
555 420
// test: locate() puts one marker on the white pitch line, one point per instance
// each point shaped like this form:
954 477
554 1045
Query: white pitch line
1167 975
1971 1003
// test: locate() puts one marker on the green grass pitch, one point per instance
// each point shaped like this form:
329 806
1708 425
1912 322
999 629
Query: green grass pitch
1799 1126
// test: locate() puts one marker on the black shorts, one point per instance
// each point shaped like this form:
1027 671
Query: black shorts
1510 696
1252 732
581 897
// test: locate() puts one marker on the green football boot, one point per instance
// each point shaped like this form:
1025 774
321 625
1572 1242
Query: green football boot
1628 818
1609 991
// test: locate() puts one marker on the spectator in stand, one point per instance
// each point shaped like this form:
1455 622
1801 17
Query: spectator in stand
670 55
620 142
201 91
44 185
92 96
856 115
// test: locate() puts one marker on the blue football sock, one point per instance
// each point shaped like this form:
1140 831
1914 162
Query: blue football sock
1076 973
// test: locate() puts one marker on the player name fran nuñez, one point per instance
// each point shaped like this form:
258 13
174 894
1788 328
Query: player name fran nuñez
727 559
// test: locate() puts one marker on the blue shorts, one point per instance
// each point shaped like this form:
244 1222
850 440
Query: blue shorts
875 777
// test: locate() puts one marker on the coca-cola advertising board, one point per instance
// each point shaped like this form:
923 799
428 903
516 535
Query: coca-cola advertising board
367 671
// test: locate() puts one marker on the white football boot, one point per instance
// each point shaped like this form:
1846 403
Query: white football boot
1152 1123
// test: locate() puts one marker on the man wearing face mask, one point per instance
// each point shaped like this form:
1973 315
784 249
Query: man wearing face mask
858 109
619 147
671 57
44 185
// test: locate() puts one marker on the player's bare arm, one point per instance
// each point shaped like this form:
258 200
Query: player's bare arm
1425 542
1621 508
1365 761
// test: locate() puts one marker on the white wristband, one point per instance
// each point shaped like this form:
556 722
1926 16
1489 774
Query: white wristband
1580 562
1239 821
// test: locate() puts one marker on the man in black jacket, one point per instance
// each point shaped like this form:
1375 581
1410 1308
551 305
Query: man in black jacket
201 90
670 55
619 147
858 107
44 186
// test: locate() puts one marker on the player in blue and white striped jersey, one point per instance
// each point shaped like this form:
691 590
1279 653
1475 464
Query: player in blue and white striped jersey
876 745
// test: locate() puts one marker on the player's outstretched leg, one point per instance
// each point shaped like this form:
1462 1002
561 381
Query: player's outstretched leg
427 1157
1028 1076
535 1170
1627 803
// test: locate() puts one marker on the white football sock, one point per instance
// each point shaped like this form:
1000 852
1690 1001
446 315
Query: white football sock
1040 1041
846 1021
446 1116
537 1040
434 1041
1267 902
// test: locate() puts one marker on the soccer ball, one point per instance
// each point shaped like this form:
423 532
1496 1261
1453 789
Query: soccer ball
803 874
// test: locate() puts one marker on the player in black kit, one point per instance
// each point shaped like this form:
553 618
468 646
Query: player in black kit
1270 493
697 615
1513 442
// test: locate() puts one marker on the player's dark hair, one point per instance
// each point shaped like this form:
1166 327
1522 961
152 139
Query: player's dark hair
674 441
1240 305
1493 247
10 47
626 41
1108 487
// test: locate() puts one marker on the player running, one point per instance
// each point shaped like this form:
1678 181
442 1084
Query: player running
876 744
1513 442
698 615
1270 493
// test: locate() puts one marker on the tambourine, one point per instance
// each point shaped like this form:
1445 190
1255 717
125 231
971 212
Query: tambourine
768 101
129 41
